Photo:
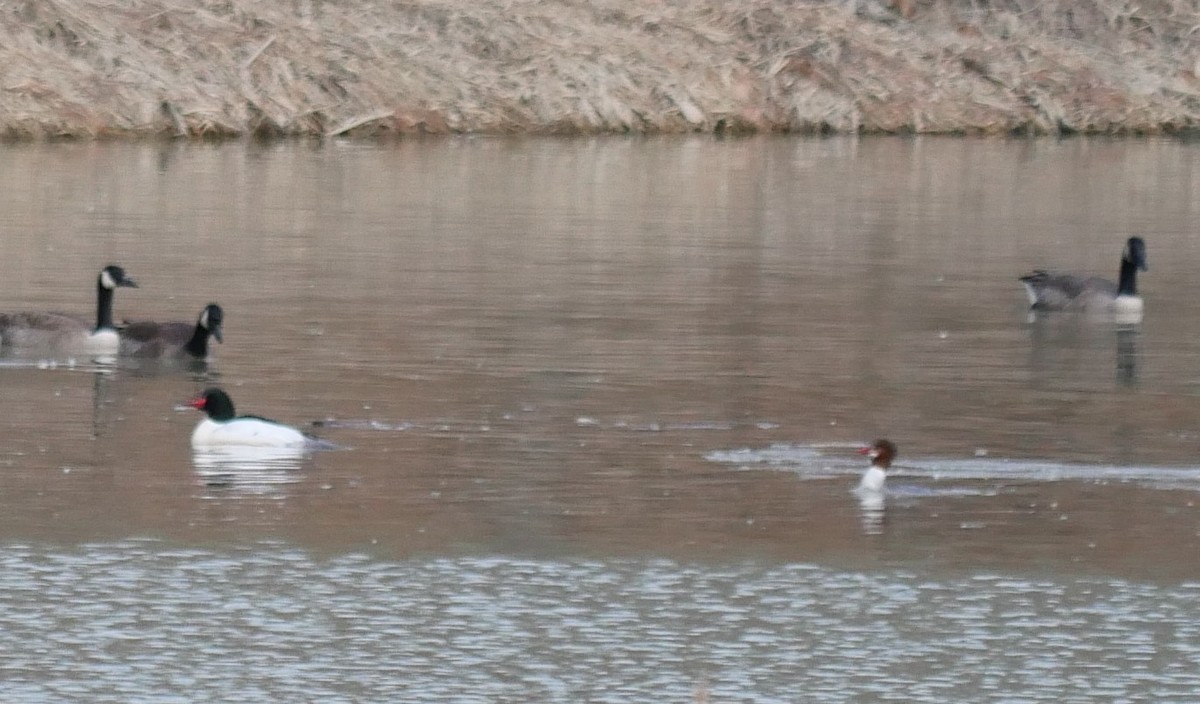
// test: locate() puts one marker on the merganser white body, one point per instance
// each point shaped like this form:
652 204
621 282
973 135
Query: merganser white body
881 452
223 427
61 332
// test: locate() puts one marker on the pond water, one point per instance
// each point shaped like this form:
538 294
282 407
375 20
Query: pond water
597 403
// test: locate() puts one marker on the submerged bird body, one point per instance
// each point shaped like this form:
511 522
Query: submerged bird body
1048 290
63 332
881 452
174 339
223 427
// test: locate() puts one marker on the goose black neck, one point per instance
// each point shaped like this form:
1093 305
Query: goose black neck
198 345
1127 286
104 297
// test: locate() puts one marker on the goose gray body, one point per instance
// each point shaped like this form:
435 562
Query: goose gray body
64 332
1050 290
150 339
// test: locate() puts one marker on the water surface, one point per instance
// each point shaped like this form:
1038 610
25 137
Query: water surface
598 402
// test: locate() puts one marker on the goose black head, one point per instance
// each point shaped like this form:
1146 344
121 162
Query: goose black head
211 319
113 276
1135 252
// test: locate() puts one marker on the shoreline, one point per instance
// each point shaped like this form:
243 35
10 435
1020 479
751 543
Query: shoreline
78 69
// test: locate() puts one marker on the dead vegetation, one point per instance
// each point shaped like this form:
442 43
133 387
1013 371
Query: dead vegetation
98 68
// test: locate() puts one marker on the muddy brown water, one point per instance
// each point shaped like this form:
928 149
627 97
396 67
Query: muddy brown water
598 403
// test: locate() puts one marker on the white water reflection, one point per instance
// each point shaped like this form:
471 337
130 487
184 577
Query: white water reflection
826 460
100 365
872 508
110 621
249 469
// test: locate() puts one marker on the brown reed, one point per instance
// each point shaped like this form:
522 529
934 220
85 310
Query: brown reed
100 68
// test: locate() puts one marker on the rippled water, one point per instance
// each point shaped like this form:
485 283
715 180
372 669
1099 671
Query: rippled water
276 623
597 404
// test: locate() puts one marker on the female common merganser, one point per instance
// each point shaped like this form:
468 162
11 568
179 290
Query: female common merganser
151 339
224 427
68 333
881 452
1048 290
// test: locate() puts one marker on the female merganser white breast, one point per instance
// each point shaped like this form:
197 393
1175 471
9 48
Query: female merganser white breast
1048 290
62 332
881 452
174 339
224 427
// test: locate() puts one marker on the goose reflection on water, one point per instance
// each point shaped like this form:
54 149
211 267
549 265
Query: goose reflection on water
1127 355
1066 348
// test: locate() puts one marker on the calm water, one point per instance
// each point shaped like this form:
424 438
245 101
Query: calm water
598 402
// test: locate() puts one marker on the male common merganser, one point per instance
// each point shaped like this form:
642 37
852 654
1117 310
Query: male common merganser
224 427
881 452
68 333
174 339
1049 290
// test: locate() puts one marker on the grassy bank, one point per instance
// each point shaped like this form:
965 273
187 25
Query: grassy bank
97 68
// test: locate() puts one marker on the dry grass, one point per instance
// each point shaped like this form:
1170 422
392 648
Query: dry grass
94 68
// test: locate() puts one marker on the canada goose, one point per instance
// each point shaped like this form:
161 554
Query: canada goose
881 452
69 333
175 339
224 427
1054 291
